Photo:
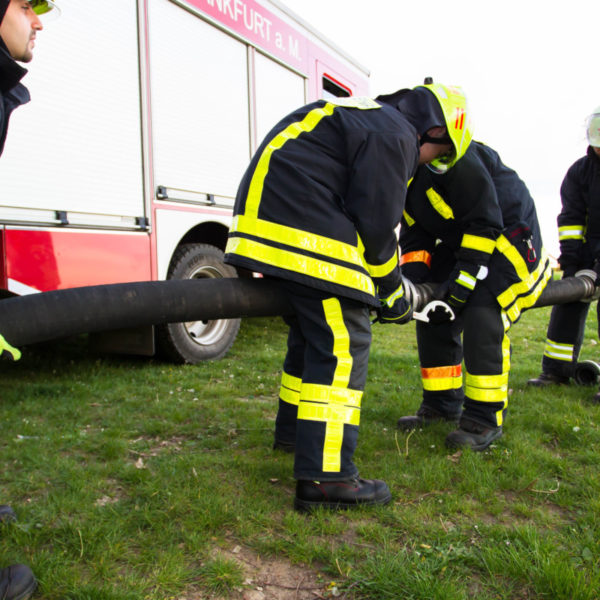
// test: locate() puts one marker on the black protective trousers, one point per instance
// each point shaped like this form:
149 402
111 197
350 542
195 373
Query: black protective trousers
565 337
477 336
322 384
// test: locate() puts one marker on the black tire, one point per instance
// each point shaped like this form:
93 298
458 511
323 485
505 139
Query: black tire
195 341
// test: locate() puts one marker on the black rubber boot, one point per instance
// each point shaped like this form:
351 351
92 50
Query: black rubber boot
472 435
7 514
17 582
425 416
337 495
545 379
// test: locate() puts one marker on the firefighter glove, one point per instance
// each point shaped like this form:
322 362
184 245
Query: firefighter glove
395 307
439 314
458 288
7 351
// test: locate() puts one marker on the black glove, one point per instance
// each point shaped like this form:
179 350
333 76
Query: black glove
457 289
395 307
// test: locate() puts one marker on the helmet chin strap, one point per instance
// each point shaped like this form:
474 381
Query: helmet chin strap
427 139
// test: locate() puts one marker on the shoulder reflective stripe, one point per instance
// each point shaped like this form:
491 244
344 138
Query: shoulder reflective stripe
290 388
385 269
437 379
416 256
476 242
466 280
306 265
292 131
341 341
439 204
360 102
297 238
571 232
409 220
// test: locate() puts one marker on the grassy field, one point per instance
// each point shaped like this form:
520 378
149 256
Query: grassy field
137 479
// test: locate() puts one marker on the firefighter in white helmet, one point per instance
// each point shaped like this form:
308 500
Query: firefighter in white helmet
579 239
19 25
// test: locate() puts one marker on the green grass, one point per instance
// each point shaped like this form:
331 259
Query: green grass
137 479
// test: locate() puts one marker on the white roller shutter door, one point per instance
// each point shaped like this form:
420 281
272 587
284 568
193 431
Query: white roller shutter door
199 87
76 146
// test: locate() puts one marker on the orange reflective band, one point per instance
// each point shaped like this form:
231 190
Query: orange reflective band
416 256
438 372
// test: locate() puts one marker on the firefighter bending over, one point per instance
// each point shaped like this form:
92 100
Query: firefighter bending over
19 24
475 232
317 209
579 239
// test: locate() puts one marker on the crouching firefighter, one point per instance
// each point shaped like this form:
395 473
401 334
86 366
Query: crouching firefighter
474 231
317 209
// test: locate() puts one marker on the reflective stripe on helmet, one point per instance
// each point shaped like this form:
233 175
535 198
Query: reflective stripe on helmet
458 122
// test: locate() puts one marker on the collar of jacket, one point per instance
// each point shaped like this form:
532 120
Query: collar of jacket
593 156
10 71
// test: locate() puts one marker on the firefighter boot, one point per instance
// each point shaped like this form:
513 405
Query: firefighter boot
425 416
336 495
472 435
545 379
17 583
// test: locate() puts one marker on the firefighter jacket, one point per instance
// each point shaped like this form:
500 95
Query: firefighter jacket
322 198
12 92
579 218
482 213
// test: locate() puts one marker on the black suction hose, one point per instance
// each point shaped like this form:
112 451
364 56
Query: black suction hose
52 315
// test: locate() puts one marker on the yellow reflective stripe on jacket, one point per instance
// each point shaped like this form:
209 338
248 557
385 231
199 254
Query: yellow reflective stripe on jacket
571 232
291 132
298 238
341 341
289 390
306 265
439 204
477 242
437 379
524 293
466 280
384 269
559 351
409 220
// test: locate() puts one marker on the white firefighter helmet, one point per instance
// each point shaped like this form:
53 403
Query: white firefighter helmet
592 126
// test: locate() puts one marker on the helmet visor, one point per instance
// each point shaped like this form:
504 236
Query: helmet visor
593 130
42 7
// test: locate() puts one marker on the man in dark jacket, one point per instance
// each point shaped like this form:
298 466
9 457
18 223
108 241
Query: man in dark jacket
19 25
579 239
317 209
473 231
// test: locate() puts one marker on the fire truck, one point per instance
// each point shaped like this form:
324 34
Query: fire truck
125 164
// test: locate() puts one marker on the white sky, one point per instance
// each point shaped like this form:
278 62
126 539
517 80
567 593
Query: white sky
529 68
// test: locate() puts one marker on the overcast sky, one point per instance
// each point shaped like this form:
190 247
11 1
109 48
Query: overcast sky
529 68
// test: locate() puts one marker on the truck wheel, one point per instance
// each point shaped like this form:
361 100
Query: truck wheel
196 341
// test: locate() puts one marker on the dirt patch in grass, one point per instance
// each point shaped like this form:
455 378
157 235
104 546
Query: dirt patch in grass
270 578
